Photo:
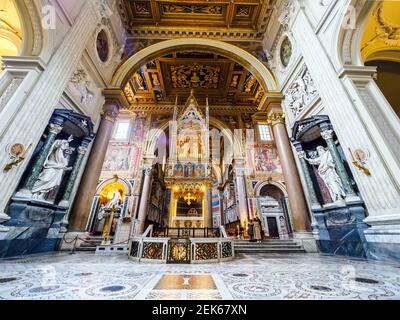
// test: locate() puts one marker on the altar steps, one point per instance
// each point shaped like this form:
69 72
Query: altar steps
90 244
268 246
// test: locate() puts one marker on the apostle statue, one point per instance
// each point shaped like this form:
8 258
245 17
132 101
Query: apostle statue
53 169
109 212
327 172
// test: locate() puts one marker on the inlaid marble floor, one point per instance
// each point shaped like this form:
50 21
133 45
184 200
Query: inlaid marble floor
299 276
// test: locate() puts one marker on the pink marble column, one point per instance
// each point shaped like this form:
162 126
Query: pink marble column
293 184
80 211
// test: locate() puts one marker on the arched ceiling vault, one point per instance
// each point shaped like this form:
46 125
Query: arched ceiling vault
158 63
381 37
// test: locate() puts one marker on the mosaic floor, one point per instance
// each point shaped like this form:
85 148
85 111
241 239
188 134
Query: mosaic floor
300 276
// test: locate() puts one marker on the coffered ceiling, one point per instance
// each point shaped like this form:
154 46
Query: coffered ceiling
240 21
220 79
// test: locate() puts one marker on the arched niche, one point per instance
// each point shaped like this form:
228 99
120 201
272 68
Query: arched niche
274 184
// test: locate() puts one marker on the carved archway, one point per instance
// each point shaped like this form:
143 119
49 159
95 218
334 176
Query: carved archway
261 184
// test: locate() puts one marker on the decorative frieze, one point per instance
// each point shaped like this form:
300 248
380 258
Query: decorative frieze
301 93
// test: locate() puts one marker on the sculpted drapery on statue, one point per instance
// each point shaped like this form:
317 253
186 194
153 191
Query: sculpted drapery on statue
327 172
53 169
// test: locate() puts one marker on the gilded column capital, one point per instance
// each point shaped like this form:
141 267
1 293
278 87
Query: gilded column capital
276 118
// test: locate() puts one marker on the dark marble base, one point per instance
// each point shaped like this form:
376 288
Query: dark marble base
384 251
34 228
341 230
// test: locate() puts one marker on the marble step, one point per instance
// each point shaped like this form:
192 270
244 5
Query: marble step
266 241
250 251
268 246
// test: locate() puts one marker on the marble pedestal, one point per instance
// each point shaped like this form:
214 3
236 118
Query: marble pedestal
383 237
34 227
341 229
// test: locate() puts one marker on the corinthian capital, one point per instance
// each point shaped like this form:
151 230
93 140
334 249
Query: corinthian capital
147 171
301 154
276 118
110 112
327 134
54 128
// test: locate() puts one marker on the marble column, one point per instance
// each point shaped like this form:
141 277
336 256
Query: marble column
294 188
327 135
144 197
307 177
221 207
55 128
81 208
82 149
209 223
241 192
36 108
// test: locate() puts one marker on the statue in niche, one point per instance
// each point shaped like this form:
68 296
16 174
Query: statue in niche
53 169
110 211
327 172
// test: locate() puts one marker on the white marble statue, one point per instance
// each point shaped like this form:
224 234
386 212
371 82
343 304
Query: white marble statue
112 204
53 169
327 172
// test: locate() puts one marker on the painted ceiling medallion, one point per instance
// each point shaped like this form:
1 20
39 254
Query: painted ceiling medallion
102 45
286 52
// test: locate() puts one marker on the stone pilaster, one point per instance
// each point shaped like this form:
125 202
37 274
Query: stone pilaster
30 121
241 192
144 198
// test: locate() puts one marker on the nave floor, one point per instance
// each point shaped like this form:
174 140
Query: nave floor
259 276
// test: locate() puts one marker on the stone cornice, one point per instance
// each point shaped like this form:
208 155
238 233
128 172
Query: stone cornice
216 109
116 94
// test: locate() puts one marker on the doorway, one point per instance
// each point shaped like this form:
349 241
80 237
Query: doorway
273 228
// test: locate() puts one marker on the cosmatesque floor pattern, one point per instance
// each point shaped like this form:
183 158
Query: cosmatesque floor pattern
273 276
